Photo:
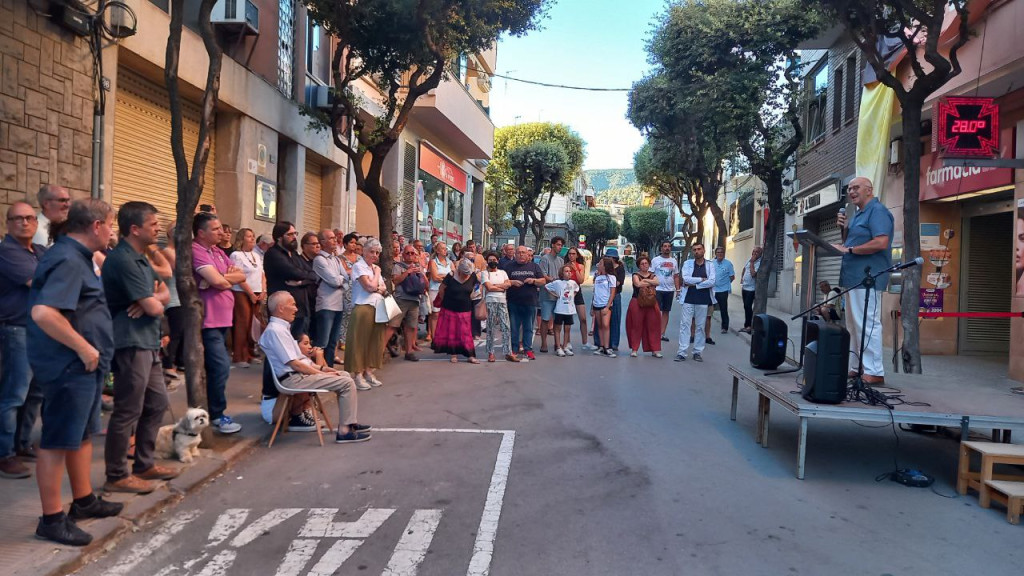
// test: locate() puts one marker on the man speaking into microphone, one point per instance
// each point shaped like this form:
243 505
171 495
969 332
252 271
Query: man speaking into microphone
866 244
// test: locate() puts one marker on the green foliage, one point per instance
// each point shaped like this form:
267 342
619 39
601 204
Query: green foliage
644 226
538 167
597 225
631 195
507 138
601 180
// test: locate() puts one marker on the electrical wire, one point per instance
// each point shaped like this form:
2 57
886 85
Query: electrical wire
549 84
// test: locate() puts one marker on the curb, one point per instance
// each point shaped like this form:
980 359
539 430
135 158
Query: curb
107 532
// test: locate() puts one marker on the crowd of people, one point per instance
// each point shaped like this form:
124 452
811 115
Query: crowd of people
314 310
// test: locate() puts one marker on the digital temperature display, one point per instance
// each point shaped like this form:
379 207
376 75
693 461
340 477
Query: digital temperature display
967 127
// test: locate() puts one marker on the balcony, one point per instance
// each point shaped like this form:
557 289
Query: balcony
453 115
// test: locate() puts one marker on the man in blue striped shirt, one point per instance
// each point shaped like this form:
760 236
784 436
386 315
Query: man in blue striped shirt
725 274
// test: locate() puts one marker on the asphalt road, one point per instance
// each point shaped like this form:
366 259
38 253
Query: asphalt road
576 466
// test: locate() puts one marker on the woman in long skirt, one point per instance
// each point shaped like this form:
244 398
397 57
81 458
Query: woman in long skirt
454 332
643 324
364 351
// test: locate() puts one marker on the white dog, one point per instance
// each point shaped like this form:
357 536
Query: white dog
182 440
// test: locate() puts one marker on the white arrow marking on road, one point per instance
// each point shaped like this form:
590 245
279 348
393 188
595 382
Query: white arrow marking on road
162 536
483 549
332 560
412 546
220 564
320 523
263 525
299 552
226 525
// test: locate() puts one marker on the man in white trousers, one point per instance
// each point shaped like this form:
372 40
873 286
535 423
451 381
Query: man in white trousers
867 245
698 276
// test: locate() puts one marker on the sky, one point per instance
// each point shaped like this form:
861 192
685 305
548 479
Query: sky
591 43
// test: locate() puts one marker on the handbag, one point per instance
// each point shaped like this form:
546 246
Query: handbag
480 310
646 296
387 310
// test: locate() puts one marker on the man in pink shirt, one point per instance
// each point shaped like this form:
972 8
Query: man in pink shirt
215 276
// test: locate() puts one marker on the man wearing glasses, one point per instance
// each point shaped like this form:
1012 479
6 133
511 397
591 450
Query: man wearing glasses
54 202
20 399
285 271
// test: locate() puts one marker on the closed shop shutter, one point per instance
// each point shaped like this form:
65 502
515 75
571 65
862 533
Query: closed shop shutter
143 163
827 268
987 278
312 204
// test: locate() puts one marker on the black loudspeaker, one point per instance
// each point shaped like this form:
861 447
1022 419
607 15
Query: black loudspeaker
826 361
768 338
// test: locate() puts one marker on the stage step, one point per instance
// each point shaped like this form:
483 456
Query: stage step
1014 494
991 453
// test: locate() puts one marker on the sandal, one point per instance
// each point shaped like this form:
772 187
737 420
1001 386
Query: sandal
454 360
473 360
511 358
490 357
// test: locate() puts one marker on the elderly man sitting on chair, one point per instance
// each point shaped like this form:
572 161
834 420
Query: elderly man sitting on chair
294 370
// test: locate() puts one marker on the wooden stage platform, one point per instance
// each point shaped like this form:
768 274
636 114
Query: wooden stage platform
950 403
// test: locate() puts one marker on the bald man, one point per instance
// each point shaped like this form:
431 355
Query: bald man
867 244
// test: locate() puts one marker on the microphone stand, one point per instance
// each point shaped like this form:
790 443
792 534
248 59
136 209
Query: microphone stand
857 386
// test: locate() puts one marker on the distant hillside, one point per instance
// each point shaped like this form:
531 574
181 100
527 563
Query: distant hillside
631 195
602 180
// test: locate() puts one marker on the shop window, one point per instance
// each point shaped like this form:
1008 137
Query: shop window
817 96
455 199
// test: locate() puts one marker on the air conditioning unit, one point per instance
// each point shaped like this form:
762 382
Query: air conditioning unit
240 14
318 96
483 82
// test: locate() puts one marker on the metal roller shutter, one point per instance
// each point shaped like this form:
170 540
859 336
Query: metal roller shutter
143 163
828 268
312 203
986 283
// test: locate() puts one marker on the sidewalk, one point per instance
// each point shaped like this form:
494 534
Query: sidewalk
22 554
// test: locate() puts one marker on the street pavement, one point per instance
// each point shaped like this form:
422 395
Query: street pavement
576 466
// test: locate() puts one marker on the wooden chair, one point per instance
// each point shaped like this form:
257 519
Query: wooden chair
284 414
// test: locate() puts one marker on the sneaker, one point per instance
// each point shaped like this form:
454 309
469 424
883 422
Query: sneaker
171 373
614 348
129 484
27 454
63 532
680 357
299 423
351 438
410 357
697 357
240 365
361 383
360 427
609 352
530 355
372 379
725 330
511 358
158 473
657 355
709 341
664 338
632 353
569 352
599 352
267 409
589 347
99 508
11 467
559 352
225 425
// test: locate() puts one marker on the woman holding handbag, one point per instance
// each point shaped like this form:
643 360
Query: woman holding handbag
643 317
364 350
440 266
454 332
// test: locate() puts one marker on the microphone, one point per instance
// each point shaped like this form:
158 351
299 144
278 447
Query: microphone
915 262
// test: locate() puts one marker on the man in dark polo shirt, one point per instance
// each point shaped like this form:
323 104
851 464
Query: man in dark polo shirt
525 276
136 299
285 271
70 361
20 399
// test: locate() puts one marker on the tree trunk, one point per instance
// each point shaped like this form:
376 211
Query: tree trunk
722 229
381 198
911 237
776 218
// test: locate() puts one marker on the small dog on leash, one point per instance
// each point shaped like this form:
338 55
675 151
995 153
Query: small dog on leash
182 440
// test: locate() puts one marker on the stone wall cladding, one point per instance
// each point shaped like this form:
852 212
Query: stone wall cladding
46 100
836 152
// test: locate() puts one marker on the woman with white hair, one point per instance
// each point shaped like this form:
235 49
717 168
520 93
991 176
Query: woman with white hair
364 349
454 332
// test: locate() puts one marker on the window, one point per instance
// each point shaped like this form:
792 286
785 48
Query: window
318 53
852 78
817 96
743 212
285 45
837 106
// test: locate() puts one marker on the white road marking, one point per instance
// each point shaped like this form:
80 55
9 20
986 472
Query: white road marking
332 560
229 521
321 524
263 525
162 536
220 564
412 546
299 553
483 548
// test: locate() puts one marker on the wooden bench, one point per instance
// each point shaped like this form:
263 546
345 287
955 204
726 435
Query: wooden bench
1013 492
992 453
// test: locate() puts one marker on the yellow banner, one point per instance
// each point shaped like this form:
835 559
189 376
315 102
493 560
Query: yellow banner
876 109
